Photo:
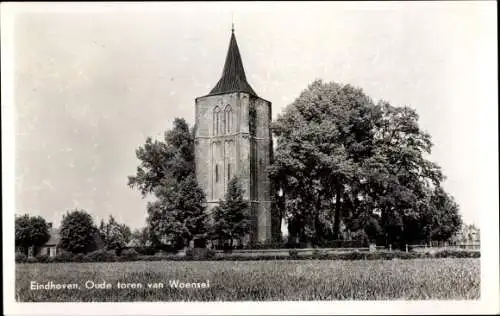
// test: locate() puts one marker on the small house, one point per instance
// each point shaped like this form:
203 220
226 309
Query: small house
50 248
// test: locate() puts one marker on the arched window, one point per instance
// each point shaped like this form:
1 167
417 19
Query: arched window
228 172
216 120
223 119
216 173
228 114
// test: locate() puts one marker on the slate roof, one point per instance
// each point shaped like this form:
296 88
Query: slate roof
54 237
233 77
133 243
136 243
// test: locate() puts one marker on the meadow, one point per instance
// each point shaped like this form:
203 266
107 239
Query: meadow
415 279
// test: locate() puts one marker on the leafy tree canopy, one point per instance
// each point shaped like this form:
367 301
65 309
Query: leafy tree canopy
31 231
164 161
114 235
231 218
341 158
78 234
178 216
167 172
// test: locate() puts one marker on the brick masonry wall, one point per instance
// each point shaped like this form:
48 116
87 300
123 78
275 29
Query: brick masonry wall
247 155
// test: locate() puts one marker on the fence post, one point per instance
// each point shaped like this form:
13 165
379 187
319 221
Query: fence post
406 247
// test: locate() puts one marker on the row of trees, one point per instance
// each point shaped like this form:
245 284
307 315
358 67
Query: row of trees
172 228
344 168
178 214
77 234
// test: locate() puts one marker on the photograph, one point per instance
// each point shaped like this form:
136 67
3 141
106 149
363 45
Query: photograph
328 155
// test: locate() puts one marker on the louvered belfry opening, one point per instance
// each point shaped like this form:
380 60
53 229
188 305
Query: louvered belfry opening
233 77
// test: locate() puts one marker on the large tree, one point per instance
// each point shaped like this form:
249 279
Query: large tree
178 216
167 172
321 139
78 233
441 219
398 178
341 158
114 235
162 162
231 218
30 231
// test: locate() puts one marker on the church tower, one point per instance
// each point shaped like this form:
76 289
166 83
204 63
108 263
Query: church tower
233 139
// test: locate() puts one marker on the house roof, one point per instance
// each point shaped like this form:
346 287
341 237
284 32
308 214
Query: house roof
233 77
133 243
54 237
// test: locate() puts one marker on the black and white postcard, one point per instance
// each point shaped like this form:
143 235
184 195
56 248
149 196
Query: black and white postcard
250 158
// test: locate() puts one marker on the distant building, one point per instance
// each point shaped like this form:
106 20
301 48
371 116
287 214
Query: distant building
136 243
50 248
471 233
468 234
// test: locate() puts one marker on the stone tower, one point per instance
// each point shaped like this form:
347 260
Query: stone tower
233 138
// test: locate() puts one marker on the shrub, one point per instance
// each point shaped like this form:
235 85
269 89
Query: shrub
211 254
272 245
199 243
147 251
155 258
354 255
42 258
79 257
317 252
197 254
293 255
343 243
227 248
361 237
100 255
129 255
64 256
456 253
21 258
31 260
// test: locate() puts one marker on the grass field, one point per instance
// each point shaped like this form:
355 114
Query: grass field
255 280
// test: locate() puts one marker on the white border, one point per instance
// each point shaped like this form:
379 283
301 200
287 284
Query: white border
489 302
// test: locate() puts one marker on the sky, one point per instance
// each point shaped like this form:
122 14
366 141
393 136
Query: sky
92 81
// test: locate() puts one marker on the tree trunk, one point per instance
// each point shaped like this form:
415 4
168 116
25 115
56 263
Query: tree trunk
318 232
338 209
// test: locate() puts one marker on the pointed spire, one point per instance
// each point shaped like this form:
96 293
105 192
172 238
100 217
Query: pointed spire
232 23
233 77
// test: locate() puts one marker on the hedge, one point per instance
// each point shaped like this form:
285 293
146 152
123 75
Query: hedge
21 258
128 255
100 256
209 255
